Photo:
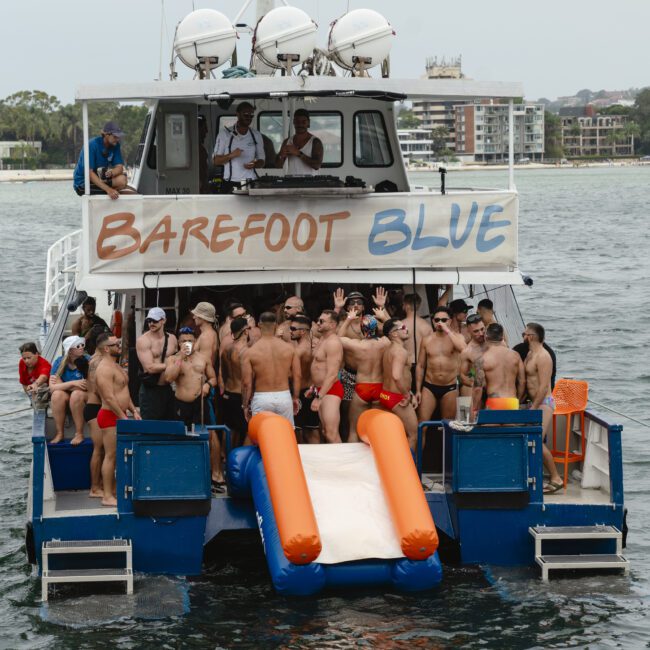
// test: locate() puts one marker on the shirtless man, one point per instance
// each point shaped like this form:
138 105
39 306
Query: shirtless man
485 309
458 309
366 356
113 388
194 376
474 350
436 375
292 306
266 369
237 310
207 344
230 379
395 394
325 366
93 404
157 401
539 368
306 420
418 329
500 370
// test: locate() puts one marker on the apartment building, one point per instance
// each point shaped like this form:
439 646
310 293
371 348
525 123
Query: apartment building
585 133
482 130
416 145
433 115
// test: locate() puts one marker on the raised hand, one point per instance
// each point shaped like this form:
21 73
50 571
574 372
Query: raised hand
380 314
380 297
339 299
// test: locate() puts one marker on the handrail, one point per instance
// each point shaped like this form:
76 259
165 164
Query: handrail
61 261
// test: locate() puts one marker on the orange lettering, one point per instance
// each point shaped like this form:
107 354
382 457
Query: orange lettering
311 237
218 229
162 232
247 231
124 229
195 228
329 219
284 235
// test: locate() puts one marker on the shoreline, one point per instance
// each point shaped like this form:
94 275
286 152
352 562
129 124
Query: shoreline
29 175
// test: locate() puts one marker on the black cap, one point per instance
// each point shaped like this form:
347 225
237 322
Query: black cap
458 306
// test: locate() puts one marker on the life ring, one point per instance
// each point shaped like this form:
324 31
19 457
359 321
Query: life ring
116 323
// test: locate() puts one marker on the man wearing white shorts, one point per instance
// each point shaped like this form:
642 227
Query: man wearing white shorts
270 374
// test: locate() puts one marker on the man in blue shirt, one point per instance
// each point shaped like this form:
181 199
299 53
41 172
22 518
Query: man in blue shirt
106 164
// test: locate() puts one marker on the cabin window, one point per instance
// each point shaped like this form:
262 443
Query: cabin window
328 127
371 144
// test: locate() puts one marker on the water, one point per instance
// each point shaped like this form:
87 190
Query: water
584 240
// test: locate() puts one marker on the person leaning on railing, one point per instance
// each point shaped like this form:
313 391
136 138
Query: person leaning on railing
107 173
33 369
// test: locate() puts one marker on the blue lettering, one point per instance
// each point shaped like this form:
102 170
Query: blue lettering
483 245
456 241
394 223
420 242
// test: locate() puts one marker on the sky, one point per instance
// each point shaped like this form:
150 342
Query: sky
553 47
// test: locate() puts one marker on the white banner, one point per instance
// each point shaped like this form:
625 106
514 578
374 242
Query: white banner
234 233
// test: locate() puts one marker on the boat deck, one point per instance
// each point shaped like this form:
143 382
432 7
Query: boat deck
73 503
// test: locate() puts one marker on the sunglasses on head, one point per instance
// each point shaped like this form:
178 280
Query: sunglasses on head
473 319
440 320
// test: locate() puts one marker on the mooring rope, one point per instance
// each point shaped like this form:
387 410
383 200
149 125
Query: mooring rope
609 408
26 408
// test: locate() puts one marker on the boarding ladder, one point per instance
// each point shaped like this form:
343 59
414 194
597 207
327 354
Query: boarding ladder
73 548
581 561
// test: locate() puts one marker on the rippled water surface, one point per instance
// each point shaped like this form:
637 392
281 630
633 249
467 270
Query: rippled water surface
584 239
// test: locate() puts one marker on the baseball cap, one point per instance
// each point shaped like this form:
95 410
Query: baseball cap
112 128
156 313
72 342
459 305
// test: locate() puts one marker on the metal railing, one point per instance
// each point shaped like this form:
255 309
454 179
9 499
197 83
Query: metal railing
61 265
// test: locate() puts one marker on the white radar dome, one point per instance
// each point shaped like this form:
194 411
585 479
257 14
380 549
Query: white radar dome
205 34
361 33
285 31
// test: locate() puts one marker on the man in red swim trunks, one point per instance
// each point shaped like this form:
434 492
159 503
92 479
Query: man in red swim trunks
113 388
366 356
395 394
325 366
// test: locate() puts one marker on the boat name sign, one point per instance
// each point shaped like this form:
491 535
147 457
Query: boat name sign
237 233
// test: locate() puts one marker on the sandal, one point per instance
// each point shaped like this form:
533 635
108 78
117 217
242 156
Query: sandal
552 488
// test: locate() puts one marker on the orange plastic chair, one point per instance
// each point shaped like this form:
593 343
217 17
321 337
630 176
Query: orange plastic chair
570 399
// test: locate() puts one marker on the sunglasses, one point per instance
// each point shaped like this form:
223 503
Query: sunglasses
80 346
118 344
440 320
473 319
321 321
291 307
298 329
401 327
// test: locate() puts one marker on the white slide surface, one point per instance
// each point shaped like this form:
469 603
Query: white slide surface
349 504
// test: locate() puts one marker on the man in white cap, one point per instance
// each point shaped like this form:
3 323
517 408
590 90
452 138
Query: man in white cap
153 347
107 175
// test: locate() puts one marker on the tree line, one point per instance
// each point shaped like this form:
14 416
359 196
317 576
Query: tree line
33 115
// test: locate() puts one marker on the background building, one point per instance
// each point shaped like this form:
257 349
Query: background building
481 131
584 133
433 115
416 144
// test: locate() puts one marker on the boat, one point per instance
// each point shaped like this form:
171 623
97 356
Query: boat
357 225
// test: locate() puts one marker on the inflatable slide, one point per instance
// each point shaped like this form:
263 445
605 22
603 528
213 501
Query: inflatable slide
338 515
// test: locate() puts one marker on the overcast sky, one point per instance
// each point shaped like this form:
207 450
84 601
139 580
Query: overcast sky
554 47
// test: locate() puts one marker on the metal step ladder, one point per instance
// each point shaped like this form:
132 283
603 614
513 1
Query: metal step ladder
78 547
581 561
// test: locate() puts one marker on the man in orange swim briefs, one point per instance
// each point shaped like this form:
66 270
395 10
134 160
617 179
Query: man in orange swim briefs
325 367
366 355
395 394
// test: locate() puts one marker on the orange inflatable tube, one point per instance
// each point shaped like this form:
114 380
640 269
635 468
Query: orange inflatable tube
385 434
292 507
